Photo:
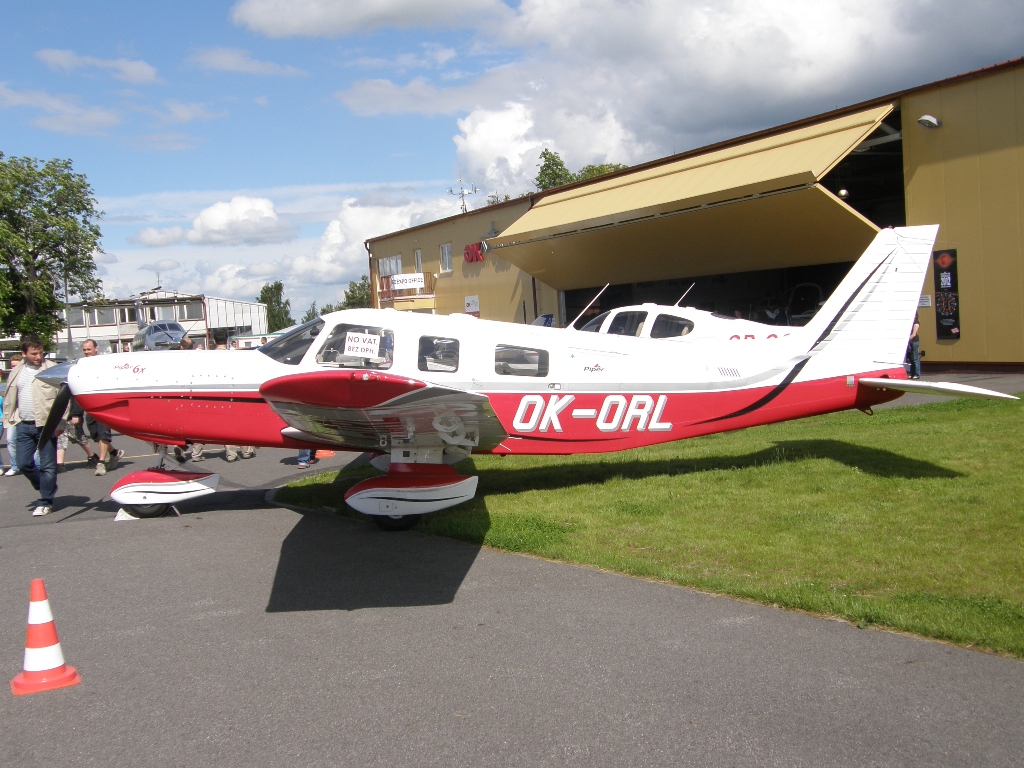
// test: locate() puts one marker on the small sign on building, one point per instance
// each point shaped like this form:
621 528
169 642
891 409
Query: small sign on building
925 300
947 297
407 281
473 306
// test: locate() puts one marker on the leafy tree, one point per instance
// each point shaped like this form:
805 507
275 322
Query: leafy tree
279 309
327 308
48 234
593 171
553 172
494 198
357 294
311 314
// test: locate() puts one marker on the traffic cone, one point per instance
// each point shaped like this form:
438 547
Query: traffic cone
44 667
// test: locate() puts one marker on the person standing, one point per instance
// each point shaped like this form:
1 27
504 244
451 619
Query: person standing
99 432
27 403
220 338
11 431
914 352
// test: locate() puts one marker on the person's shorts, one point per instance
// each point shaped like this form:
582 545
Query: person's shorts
76 434
97 430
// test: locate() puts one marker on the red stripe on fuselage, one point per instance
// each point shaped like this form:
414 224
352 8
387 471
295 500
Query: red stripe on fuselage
219 418
691 414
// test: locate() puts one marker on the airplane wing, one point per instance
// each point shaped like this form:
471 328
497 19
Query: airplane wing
372 410
936 388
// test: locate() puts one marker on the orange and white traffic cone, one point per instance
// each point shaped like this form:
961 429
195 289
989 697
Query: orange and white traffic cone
44 667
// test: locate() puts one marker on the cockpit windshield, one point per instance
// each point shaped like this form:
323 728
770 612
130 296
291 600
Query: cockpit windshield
292 346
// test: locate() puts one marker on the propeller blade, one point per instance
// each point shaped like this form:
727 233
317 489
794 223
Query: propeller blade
60 404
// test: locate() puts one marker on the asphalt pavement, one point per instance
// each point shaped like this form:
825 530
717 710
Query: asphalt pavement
250 635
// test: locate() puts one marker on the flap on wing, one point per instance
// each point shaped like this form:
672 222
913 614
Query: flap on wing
942 388
338 389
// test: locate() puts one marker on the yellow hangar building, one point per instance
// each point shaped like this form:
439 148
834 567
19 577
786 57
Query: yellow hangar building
764 225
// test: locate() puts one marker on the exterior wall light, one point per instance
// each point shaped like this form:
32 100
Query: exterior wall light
843 194
929 121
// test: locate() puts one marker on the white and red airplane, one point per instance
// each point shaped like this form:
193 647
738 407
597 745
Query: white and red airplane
425 391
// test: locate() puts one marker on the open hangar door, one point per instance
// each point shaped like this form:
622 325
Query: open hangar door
762 228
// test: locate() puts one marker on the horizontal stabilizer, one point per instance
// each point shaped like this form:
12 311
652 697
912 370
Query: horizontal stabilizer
943 388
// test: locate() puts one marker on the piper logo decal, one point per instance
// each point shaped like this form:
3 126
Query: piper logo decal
615 413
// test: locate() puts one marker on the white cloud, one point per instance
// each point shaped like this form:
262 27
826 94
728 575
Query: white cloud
261 101
62 114
101 257
152 237
177 112
241 220
617 81
241 61
128 70
432 56
328 18
161 266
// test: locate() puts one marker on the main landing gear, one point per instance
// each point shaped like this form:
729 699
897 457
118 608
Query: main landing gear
397 500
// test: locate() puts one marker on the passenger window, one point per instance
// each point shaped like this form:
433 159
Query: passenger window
358 346
439 353
628 324
519 361
670 326
595 325
291 347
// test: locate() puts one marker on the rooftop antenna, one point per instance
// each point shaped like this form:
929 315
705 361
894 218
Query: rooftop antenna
684 295
570 325
463 192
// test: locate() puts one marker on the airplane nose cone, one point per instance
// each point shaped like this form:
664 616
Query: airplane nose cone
56 375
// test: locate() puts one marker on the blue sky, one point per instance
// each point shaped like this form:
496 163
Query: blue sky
231 143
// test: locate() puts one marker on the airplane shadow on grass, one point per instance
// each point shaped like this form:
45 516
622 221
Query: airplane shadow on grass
338 563
873 461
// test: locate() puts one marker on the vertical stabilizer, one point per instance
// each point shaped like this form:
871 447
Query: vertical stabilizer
866 323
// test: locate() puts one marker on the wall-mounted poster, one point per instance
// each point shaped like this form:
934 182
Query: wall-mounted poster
947 297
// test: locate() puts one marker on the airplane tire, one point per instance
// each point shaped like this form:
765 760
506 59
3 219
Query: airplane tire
397 522
146 510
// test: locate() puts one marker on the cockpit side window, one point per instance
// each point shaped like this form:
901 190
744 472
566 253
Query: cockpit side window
520 361
628 324
593 326
439 353
358 346
670 326
291 347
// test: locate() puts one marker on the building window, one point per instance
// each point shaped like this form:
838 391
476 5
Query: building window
191 311
77 318
165 312
520 361
417 256
391 265
127 315
103 316
446 257
439 353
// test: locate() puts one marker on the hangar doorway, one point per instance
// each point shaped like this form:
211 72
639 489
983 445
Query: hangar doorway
869 180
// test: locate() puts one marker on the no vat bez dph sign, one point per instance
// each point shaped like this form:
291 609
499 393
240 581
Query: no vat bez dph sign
361 344
947 297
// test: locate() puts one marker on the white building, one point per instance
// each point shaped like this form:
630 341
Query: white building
112 324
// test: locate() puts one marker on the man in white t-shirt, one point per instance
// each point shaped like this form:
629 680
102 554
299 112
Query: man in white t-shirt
27 403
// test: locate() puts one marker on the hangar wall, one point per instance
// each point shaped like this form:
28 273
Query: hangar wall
501 287
968 177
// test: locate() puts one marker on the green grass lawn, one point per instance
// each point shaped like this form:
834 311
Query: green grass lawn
911 519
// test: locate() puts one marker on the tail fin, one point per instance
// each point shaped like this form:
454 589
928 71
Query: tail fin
865 325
